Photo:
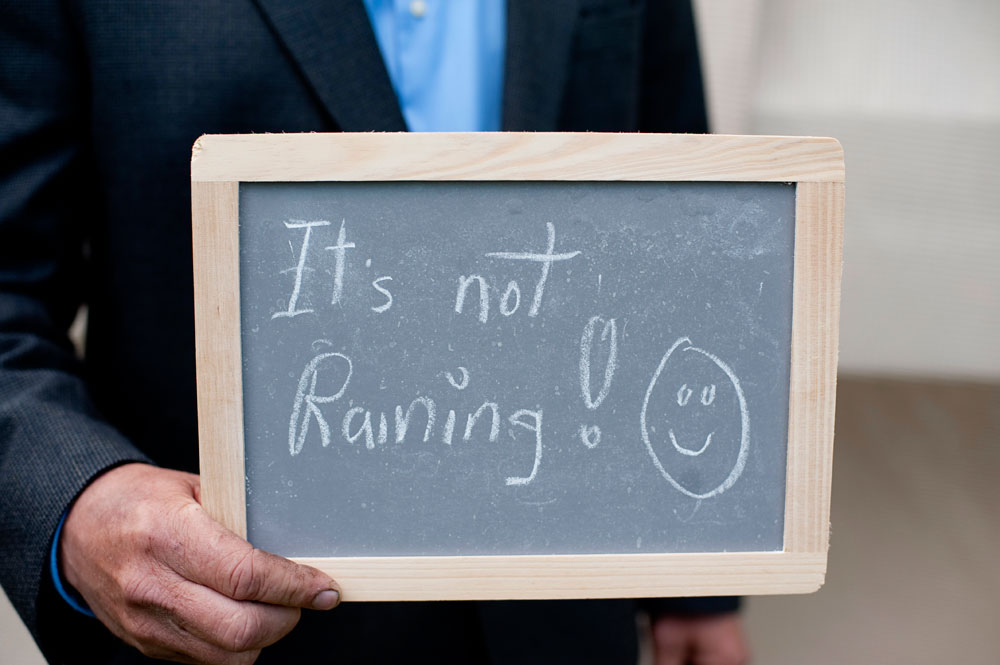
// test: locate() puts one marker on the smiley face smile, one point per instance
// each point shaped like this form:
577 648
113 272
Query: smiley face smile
689 451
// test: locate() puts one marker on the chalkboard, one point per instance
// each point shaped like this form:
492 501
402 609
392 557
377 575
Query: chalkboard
438 369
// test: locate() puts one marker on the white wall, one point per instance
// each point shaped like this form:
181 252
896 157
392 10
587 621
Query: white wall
912 90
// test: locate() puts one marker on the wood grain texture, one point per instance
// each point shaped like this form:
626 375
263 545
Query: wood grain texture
819 216
572 576
516 156
214 208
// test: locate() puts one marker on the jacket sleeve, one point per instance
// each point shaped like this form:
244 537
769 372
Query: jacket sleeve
52 440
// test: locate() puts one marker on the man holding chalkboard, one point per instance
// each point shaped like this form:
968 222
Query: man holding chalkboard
100 105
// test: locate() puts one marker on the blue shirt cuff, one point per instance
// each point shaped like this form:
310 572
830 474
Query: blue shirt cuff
68 593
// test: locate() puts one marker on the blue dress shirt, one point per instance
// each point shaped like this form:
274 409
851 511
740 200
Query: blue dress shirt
68 593
445 60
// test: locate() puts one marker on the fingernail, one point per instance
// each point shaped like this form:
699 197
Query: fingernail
326 600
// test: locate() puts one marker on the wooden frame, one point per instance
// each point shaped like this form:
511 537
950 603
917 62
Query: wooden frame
220 163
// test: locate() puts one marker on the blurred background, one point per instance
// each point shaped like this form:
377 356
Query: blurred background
911 88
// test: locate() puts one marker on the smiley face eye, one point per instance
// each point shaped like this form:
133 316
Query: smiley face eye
708 394
684 394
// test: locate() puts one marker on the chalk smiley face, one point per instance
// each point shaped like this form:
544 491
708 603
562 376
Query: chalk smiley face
701 403
684 394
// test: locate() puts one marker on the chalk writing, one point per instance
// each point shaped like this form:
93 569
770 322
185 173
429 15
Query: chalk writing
326 378
513 290
590 435
536 427
473 418
683 397
299 269
449 427
366 427
377 285
458 385
339 249
436 373
403 422
340 252
305 396
689 451
546 259
356 423
484 296
610 330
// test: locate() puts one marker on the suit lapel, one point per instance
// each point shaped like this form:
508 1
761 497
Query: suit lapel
334 45
539 35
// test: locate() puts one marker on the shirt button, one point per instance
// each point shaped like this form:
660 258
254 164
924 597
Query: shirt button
418 8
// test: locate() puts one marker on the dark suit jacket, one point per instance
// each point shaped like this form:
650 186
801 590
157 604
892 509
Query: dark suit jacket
100 102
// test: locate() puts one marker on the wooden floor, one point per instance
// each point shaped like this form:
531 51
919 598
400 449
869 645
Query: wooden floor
914 568
914 574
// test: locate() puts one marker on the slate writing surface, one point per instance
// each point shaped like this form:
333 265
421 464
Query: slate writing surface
435 368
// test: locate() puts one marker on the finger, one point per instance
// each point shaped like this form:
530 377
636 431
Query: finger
670 653
166 641
720 641
669 656
157 631
670 643
196 487
230 625
211 555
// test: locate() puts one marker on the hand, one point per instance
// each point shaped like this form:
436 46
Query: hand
699 640
166 578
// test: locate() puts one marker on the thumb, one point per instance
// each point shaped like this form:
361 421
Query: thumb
209 554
